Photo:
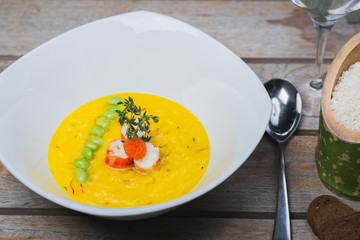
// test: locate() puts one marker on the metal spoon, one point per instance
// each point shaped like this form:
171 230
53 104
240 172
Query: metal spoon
285 118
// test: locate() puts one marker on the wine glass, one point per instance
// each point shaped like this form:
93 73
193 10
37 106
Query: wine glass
324 14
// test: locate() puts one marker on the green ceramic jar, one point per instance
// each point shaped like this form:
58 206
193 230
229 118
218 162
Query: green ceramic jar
338 163
337 153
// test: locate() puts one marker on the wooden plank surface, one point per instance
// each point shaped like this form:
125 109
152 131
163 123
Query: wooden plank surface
266 30
80 227
274 37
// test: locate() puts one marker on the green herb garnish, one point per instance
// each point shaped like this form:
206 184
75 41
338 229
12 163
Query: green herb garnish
137 120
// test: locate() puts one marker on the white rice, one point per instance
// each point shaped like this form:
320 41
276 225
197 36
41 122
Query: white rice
345 101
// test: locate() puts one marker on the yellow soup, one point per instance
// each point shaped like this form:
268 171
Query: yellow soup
184 153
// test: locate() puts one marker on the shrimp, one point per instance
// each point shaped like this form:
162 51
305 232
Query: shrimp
116 157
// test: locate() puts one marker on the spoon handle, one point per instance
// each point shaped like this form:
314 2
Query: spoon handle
282 221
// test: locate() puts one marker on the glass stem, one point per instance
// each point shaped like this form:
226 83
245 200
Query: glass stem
322 36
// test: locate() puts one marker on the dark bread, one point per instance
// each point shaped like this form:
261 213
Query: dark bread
345 227
327 213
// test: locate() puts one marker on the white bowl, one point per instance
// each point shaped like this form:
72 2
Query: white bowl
133 52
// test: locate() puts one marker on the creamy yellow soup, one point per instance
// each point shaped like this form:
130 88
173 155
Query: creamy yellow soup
184 153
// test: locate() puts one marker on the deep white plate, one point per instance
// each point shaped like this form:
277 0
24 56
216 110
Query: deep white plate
133 52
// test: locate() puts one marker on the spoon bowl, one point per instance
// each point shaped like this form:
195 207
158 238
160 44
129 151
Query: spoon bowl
285 118
286 109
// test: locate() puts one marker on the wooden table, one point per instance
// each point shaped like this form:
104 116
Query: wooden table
273 37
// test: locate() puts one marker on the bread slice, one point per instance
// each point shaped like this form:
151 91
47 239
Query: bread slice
345 227
323 209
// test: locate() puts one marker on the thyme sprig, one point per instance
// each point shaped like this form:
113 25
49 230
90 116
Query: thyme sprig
137 120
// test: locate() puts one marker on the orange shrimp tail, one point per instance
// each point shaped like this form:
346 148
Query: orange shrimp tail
117 162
